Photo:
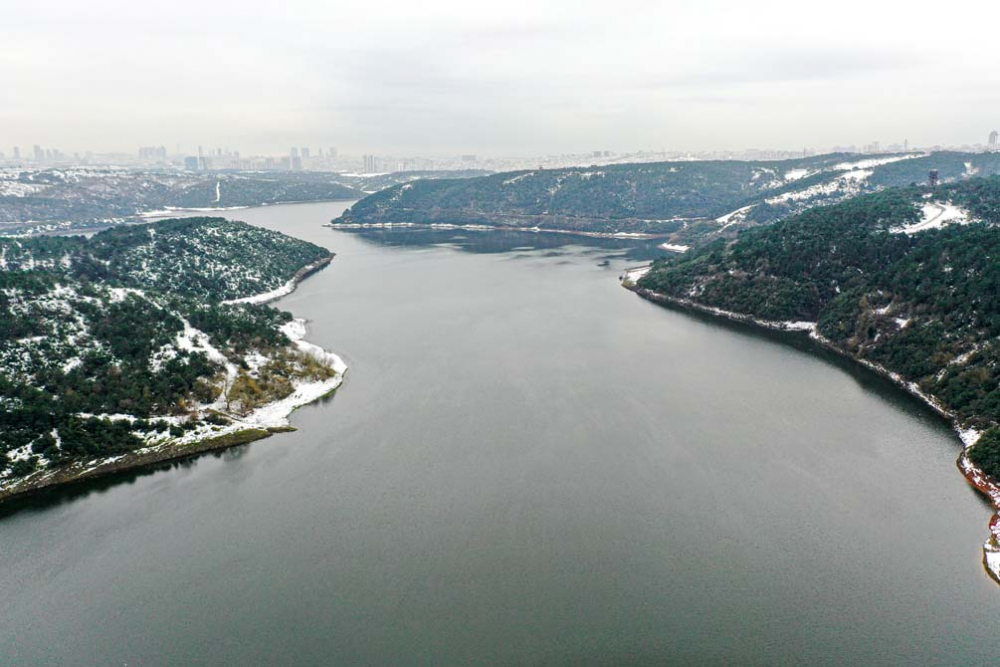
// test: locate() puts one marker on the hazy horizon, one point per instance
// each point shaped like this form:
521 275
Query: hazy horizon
521 78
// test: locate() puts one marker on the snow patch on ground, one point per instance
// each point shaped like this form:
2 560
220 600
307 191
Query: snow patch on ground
633 275
874 162
519 177
284 290
849 182
992 559
275 415
935 216
857 174
194 340
19 189
734 217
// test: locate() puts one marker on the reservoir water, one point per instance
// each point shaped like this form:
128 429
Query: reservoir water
527 465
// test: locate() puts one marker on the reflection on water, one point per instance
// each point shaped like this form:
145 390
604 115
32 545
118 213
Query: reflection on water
511 241
67 493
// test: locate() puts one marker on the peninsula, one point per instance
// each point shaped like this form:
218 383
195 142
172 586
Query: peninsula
147 343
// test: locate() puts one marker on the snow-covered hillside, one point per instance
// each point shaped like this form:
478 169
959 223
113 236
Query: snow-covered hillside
124 342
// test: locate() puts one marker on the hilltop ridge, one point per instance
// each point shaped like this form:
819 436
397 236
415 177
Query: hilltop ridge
686 203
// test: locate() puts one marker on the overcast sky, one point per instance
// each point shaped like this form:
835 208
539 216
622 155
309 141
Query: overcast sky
516 77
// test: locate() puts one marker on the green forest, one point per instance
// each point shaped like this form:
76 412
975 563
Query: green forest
681 198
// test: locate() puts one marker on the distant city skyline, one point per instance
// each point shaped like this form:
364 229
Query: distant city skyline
304 155
37 152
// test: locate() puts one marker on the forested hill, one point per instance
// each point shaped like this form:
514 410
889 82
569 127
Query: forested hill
907 278
208 258
40 200
687 201
122 342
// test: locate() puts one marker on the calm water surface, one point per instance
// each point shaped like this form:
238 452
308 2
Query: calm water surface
526 465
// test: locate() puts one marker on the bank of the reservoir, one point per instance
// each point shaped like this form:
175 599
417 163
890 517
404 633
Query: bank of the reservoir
968 437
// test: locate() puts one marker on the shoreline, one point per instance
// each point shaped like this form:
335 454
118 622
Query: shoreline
974 476
262 423
431 226
172 211
288 287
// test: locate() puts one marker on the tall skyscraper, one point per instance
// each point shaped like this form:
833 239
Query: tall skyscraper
994 140
371 164
305 153
17 152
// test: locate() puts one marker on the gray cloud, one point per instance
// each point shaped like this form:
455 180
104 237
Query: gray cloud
518 76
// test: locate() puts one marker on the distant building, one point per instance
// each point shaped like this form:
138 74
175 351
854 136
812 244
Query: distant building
932 178
294 152
994 142
39 153
371 164
333 152
153 153
296 163
17 152
191 163
305 153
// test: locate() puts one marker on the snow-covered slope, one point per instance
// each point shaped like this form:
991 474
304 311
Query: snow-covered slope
122 345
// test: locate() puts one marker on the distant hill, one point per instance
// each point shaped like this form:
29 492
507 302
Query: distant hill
685 202
79 197
208 258
369 183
